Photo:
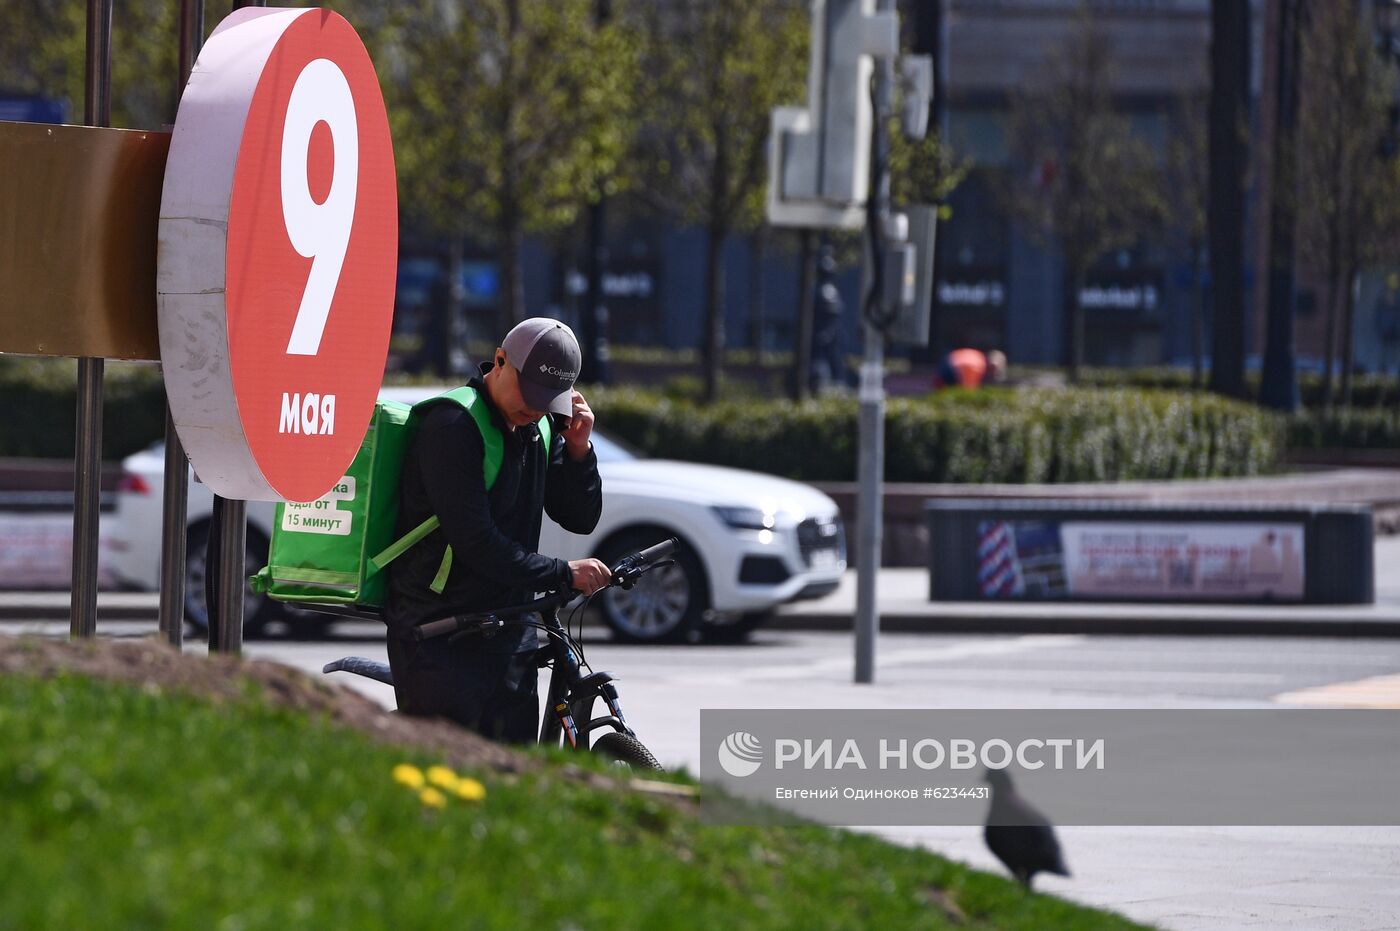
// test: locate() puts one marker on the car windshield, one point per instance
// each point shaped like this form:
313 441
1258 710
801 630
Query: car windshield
610 450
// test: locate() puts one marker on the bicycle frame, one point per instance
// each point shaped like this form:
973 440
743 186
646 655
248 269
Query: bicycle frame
571 696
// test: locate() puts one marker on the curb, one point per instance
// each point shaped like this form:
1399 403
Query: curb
962 623
57 606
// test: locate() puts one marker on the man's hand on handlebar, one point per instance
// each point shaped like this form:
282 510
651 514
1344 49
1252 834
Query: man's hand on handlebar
589 575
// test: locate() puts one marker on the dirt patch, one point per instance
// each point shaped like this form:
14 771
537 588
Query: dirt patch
155 666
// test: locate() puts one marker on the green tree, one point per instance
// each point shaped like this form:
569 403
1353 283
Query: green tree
715 70
1084 182
43 51
508 117
1348 190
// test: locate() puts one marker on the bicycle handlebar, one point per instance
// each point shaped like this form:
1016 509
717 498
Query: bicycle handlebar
654 554
624 573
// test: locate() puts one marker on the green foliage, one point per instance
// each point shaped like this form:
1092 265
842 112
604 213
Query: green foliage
42 51
1085 181
992 435
126 808
1374 428
715 69
924 171
504 111
41 402
1368 391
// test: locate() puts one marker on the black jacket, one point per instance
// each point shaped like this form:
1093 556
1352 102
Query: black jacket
493 536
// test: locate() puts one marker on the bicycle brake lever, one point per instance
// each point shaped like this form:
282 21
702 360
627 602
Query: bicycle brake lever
486 628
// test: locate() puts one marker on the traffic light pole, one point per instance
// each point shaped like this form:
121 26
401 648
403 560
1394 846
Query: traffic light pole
871 466
870 500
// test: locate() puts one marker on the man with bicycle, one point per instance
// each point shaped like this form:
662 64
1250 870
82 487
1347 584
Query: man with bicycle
487 462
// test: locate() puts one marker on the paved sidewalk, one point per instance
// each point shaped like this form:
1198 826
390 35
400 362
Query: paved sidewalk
902 597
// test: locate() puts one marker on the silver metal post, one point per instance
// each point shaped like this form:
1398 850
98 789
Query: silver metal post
871 466
87 491
226 624
174 517
87 471
869 500
175 506
175 510
226 541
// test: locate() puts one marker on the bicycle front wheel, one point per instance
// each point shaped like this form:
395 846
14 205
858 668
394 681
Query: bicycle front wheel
626 750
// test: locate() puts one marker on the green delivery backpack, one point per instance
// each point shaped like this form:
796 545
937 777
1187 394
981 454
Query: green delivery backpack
334 550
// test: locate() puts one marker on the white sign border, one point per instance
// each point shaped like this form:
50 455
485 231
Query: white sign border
191 269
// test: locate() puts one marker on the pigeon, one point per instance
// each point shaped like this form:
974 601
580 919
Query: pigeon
1021 837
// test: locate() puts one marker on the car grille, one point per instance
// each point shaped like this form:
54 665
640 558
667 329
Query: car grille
818 534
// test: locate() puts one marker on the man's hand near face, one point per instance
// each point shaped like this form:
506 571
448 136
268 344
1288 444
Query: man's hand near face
576 436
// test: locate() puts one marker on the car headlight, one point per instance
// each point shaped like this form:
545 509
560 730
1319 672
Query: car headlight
741 518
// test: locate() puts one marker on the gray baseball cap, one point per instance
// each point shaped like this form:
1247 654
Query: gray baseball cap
546 354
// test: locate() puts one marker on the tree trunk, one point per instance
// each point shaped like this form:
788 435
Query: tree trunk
758 252
806 306
1348 331
1072 283
512 223
447 328
1198 315
512 273
1278 383
714 312
592 317
1228 109
1330 341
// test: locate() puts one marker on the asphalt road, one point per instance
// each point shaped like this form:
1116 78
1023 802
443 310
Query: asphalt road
1180 878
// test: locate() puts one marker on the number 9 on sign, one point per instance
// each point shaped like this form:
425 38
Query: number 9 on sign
319 231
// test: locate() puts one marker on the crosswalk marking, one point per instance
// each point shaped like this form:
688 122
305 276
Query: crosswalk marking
1372 692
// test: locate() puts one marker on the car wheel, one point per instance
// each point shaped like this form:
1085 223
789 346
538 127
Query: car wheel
258 609
735 629
665 605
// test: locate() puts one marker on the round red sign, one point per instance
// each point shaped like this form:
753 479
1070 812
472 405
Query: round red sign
278 252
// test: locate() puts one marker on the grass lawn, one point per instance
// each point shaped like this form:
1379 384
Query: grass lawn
129 807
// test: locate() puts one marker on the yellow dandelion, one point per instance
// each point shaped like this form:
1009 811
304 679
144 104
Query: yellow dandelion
406 774
443 778
432 798
470 789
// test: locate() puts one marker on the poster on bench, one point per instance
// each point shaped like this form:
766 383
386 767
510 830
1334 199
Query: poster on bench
1140 561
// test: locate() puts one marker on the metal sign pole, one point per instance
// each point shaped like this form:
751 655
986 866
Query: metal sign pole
871 466
869 500
175 512
225 562
230 529
87 478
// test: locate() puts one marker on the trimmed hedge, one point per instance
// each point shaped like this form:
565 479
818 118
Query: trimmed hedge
41 403
993 435
1353 429
1367 391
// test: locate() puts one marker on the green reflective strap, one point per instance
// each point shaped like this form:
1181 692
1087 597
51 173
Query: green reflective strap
546 436
440 580
396 549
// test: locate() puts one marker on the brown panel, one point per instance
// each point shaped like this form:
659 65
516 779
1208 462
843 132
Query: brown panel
78 213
